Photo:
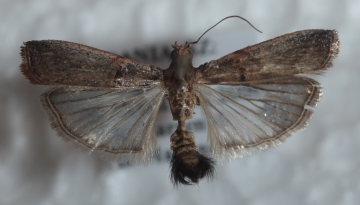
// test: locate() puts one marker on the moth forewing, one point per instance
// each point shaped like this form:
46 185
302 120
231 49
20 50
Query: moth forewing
54 62
300 52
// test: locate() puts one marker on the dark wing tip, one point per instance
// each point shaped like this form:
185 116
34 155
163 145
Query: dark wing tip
334 47
26 66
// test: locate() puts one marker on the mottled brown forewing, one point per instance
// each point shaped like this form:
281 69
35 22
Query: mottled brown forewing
54 62
307 51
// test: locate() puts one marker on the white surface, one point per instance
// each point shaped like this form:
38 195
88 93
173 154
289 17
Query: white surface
319 165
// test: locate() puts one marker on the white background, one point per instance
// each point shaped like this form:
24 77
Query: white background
318 165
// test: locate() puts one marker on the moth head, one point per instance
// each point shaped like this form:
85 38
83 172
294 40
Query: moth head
181 52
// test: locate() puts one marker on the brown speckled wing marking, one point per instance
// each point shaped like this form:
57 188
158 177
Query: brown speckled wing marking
53 62
255 97
308 51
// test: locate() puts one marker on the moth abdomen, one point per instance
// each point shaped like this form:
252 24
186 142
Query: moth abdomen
187 164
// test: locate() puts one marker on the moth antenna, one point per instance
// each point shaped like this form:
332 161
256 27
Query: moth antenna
195 42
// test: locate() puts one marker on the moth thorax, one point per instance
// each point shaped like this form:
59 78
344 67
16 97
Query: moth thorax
182 103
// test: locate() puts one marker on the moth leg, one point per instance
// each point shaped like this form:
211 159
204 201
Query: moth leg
197 100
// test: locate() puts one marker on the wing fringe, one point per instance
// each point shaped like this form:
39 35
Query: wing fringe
25 66
333 50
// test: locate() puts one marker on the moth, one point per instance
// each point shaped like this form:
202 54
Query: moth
252 98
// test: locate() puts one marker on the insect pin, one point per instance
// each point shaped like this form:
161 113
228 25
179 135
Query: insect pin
252 98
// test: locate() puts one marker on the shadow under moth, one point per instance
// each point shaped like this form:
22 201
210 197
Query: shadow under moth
252 98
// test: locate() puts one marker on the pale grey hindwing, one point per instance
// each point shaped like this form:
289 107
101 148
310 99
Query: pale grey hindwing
256 114
114 121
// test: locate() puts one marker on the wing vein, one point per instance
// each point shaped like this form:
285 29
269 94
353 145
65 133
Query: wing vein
82 99
246 108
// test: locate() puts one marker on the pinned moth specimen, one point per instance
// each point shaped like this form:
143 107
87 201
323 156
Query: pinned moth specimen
252 98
